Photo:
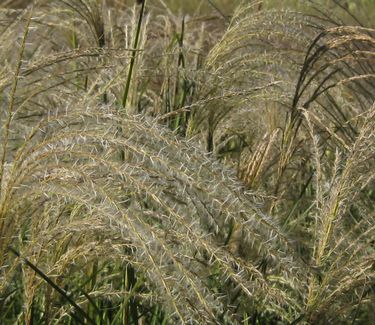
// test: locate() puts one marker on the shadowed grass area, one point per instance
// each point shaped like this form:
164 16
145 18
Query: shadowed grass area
203 162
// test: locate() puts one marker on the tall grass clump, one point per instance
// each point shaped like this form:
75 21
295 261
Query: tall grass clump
159 169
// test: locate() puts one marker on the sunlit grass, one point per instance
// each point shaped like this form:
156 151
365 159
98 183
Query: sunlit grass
193 162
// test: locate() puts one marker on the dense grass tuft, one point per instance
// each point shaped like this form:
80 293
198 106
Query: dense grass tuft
212 168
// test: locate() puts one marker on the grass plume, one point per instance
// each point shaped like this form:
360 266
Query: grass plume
244 192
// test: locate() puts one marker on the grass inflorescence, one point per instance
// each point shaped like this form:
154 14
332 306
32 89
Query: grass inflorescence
212 167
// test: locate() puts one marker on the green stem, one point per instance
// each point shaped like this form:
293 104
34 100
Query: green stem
62 292
134 53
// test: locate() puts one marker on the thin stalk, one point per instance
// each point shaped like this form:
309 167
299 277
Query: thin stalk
134 53
56 287
12 98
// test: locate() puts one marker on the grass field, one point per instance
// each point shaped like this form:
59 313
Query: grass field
187 162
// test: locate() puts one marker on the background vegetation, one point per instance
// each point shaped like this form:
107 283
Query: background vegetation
198 162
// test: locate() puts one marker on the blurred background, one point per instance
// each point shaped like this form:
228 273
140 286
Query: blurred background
362 9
